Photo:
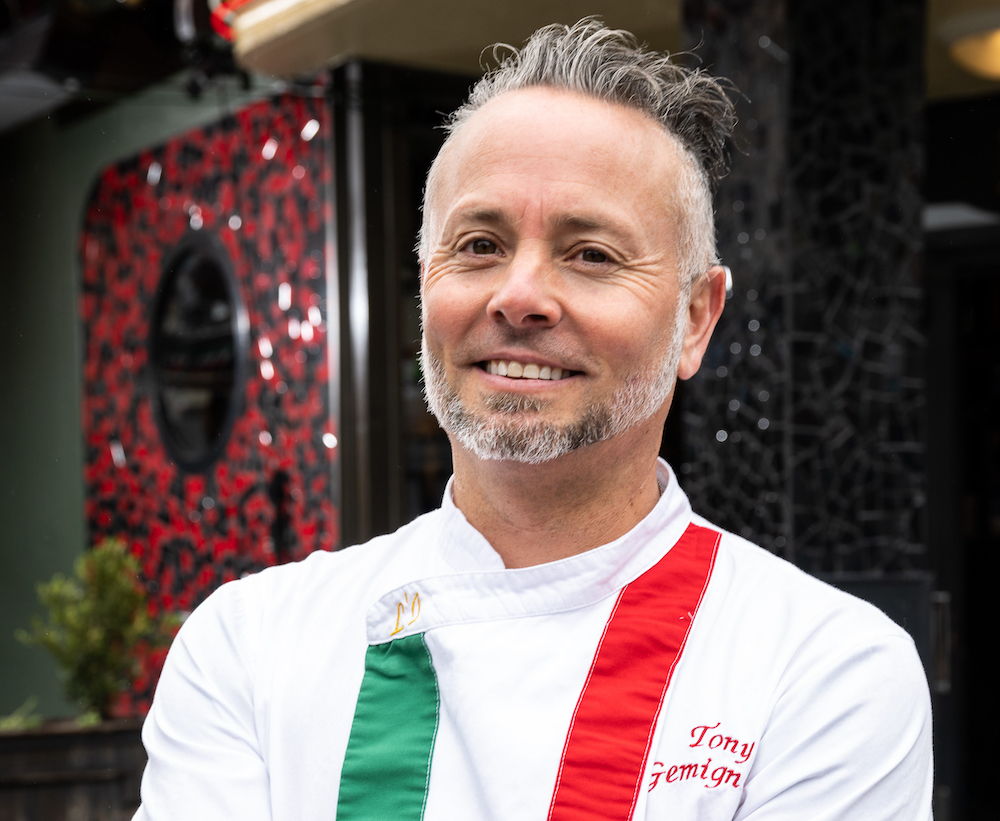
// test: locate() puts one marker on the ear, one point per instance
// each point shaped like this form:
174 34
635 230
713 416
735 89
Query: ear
708 298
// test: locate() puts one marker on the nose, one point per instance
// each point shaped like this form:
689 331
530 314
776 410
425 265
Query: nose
526 294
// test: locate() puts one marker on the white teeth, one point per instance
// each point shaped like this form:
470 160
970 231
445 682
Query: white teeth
517 370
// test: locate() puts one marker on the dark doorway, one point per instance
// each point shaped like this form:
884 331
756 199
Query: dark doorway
963 308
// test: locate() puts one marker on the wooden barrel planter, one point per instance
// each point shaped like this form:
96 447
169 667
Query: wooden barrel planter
61 772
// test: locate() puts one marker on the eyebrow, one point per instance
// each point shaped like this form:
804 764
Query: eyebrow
496 216
574 222
490 216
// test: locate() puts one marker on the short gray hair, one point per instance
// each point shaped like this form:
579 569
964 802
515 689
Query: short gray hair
591 59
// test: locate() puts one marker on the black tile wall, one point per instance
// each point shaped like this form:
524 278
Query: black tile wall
804 429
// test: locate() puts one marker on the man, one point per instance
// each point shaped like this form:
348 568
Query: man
564 638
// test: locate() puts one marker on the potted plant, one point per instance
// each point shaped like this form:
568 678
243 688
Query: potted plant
100 632
98 627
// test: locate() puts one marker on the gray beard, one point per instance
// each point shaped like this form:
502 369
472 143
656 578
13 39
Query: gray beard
511 430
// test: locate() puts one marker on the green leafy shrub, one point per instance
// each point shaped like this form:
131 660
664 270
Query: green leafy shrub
97 623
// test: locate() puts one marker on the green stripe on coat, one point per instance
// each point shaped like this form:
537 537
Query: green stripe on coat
388 761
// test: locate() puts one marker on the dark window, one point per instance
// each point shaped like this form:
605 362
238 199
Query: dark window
197 350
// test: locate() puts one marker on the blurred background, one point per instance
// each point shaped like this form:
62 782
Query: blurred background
208 316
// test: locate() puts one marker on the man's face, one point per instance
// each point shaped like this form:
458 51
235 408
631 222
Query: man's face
553 315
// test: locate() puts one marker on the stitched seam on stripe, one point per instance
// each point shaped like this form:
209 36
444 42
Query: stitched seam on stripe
437 723
670 675
579 701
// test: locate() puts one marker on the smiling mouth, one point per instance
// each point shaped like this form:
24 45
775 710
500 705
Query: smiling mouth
513 369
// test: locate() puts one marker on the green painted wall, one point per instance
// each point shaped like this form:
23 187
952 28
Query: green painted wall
46 172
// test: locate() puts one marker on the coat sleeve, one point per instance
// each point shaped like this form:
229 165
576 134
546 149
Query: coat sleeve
849 739
205 759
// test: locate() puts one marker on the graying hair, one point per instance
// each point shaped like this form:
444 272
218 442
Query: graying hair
591 59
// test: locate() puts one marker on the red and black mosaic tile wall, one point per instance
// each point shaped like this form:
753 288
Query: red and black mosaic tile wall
257 181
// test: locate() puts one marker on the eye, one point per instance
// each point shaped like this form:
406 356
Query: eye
594 256
483 247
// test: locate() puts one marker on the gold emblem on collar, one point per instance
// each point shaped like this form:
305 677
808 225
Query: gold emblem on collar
406 608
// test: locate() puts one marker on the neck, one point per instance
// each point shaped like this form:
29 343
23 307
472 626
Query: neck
532 514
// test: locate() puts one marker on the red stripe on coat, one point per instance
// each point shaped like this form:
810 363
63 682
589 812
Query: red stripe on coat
608 742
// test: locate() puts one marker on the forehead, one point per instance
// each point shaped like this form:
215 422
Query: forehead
539 141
